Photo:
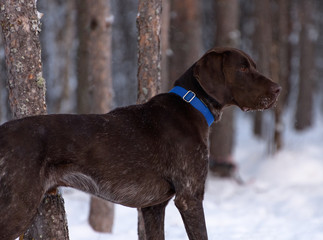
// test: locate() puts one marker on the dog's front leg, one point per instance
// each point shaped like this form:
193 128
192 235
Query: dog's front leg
153 218
192 213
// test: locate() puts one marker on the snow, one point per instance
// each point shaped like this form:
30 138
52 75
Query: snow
110 19
281 199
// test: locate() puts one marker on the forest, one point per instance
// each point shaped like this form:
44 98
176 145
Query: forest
89 61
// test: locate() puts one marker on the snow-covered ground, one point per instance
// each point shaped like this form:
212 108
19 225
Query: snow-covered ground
281 200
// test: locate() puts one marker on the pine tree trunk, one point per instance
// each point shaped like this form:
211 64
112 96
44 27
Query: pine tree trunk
124 50
49 223
95 94
304 111
281 62
221 137
83 84
149 62
165 22
101 215
22 48
20 27
149 49
99 26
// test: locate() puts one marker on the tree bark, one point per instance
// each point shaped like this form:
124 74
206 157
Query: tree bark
149 49
165 22
48 223
304 111
20 27
149 62
95 94
222 134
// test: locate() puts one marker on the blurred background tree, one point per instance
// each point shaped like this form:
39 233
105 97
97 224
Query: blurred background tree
283 36
94 77
308 36
149 20
222 133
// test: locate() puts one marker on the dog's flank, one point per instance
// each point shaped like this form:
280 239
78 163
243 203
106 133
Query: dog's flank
139 156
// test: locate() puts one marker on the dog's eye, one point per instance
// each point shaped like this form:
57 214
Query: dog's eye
243 69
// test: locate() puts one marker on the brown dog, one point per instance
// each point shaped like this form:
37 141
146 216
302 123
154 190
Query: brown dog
138 156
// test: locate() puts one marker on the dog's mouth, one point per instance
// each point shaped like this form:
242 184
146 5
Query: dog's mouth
246 109
266 102
263 103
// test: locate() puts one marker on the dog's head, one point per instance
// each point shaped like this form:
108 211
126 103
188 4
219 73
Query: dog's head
230 77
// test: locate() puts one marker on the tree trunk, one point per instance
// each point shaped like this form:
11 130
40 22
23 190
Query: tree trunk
124 50
101 215
165 21
227 22
49 223
185 37
304 111
221 137
94 29
83 84
281 61
149 49
149 62
99 58
20 27
262 39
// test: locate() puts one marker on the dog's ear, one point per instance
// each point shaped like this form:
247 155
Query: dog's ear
209 72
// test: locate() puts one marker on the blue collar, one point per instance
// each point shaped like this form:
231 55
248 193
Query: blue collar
190 97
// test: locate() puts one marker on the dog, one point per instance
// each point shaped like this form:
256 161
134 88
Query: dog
138 156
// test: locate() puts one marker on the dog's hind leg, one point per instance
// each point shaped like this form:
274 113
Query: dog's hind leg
16 212
154 221
191 210
21 191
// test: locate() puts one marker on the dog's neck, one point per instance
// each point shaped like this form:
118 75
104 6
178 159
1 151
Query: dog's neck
189 82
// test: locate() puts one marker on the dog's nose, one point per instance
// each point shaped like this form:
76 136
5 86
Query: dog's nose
276 89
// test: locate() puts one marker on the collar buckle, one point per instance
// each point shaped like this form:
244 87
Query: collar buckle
189 96
192 96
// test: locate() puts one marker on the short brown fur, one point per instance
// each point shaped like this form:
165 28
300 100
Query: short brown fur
139 156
